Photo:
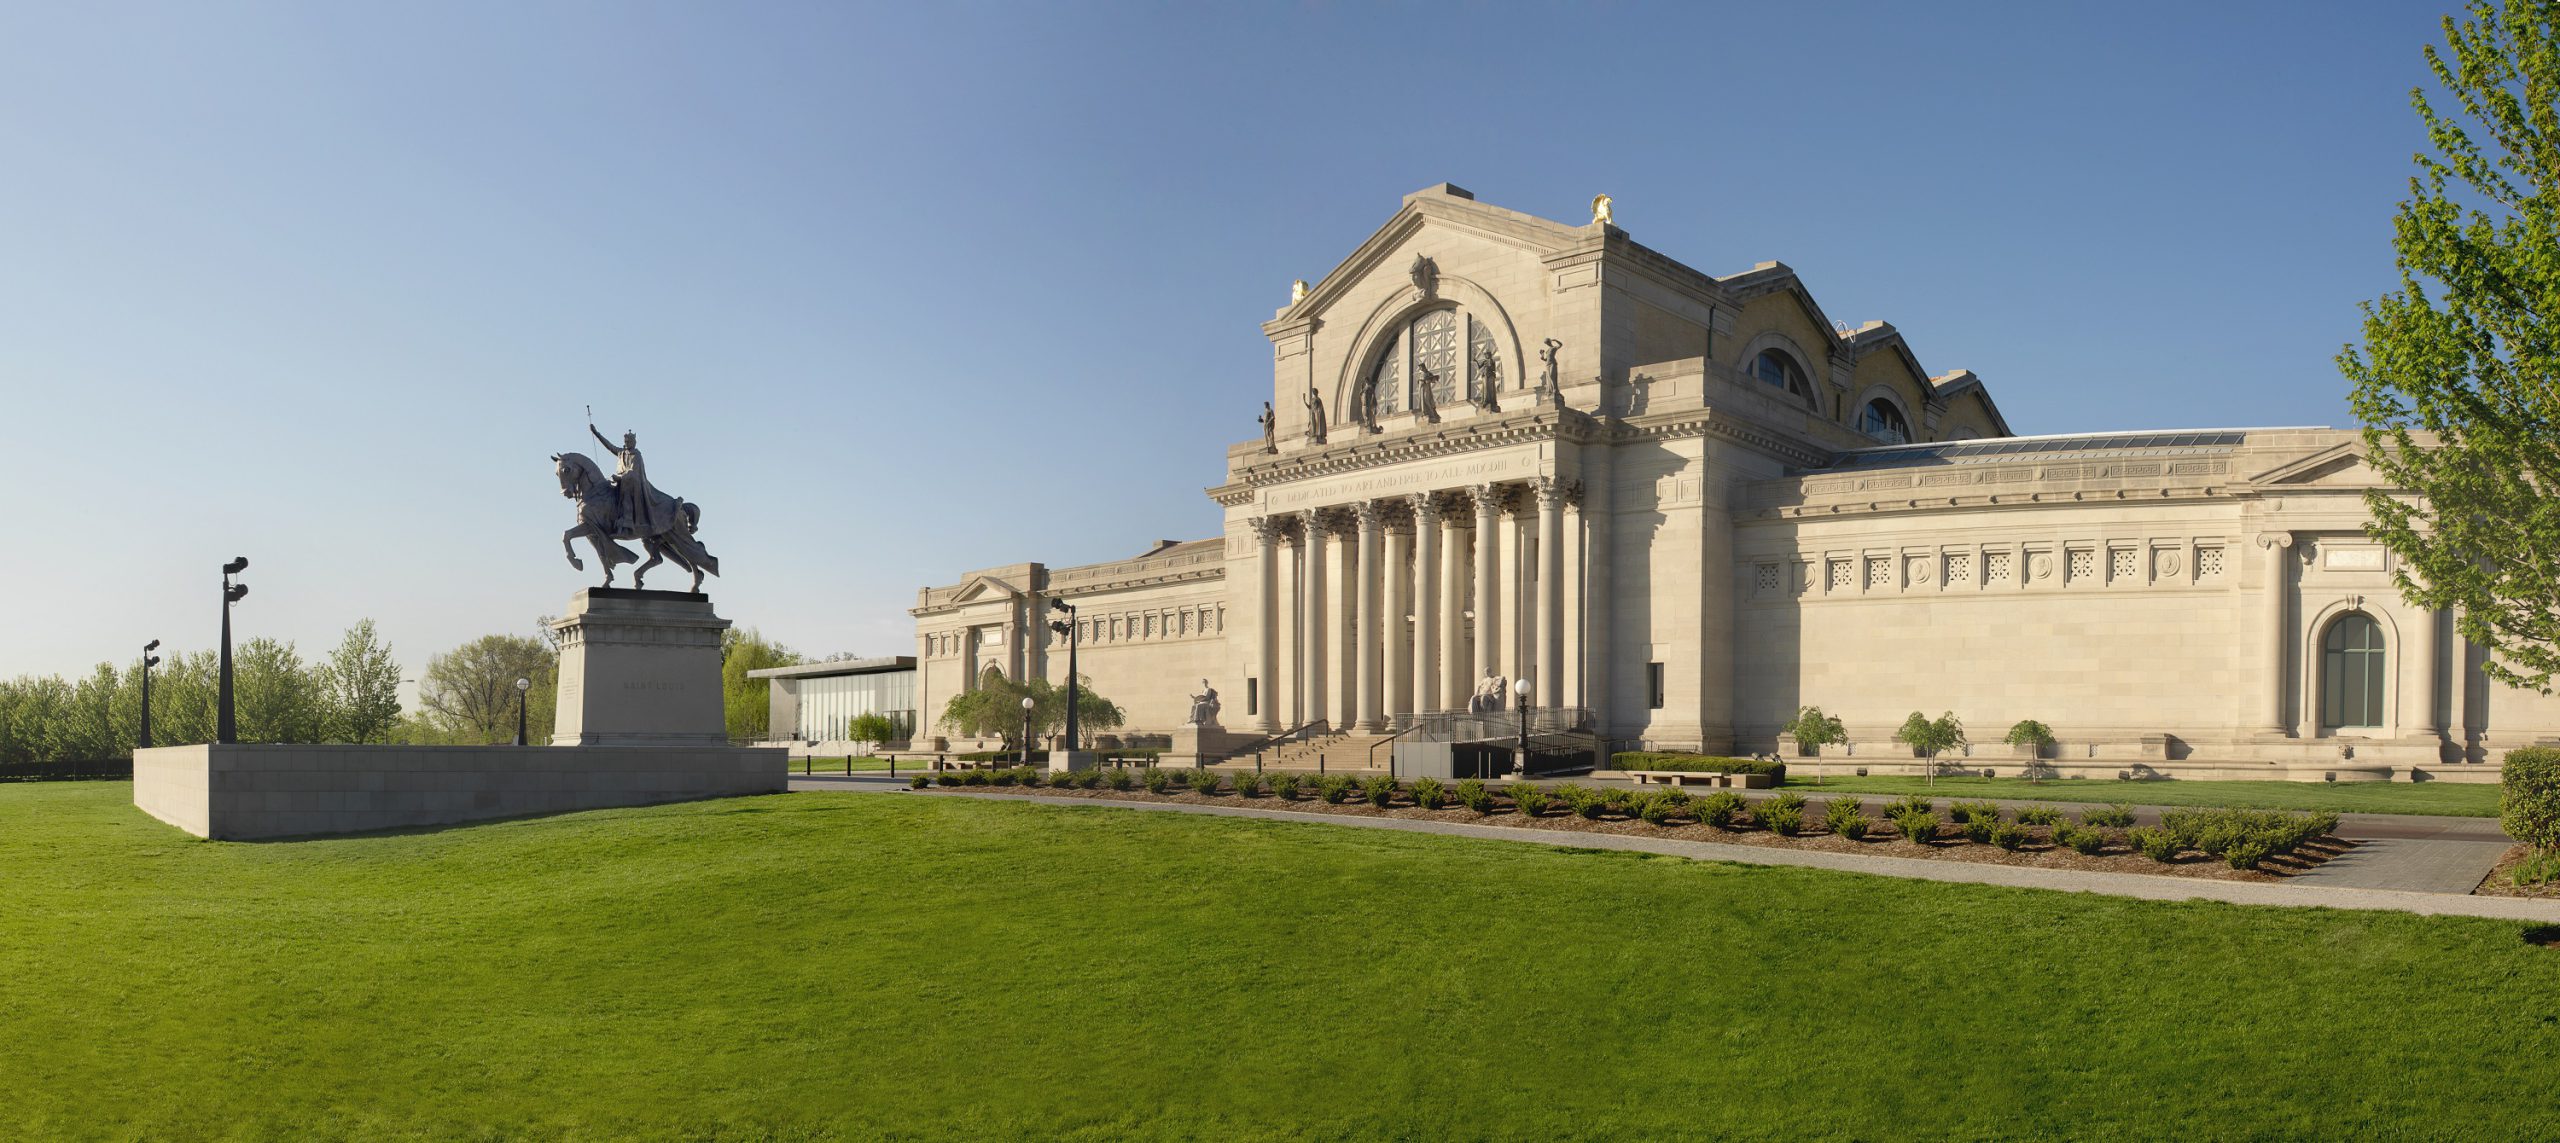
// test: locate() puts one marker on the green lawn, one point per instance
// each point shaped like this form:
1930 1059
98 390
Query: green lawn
908 965
2464 800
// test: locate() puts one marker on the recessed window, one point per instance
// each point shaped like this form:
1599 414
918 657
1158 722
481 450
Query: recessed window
1253 696
1779 371
2351 672
1426 345
1884 422
1653 685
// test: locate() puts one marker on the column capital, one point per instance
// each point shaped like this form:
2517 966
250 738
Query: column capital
1268 529
1426 509
1488 500
1369 513
2274 540
1551 493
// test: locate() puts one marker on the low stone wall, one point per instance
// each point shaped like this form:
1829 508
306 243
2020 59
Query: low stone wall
262 791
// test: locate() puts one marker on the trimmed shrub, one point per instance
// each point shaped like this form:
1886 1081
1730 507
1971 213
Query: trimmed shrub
2245 853
2118 816
1156 780
1119 778
1618 800
1203 782
1652 808
919 782
1718 809
1971 812
1007 776
1782 800
1248 785
947 778
1583 801
2082 839
2529 797
2007 835
1921 828
2039 816
1379 791
1475 795
976 778
1287 786
2157 844
1528 799
1335 789
1907 804
1695 763
1785 821
1429 794
1840 814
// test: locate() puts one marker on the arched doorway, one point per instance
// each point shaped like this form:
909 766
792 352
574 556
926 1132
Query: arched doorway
2352 673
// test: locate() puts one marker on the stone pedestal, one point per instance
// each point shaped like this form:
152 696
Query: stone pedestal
1062 761
640 668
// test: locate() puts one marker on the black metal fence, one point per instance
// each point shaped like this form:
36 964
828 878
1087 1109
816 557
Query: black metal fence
101 770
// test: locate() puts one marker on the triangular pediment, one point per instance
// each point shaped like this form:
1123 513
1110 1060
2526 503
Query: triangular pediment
984 587
1439 207
2340 465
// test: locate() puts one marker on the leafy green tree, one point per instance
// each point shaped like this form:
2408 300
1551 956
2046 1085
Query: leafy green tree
360 687
994 709
275 696
747 702
468 694
2458 379
873 727
1930 737
1813 728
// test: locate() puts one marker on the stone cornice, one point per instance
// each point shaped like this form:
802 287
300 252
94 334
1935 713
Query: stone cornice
1354 453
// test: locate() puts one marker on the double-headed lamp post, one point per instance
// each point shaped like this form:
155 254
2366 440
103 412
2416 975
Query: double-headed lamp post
225 728
523 686
149 661
1067 627
1520 762
1027 704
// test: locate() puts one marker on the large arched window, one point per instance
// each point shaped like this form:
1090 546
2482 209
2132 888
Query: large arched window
1884 422
1429 343
1780 371
2351 672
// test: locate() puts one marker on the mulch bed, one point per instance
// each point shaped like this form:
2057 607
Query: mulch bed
2497 884
2038 853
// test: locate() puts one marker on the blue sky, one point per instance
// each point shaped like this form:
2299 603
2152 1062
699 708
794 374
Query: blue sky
326 285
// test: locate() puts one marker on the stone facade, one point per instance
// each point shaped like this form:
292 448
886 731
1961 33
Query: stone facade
1726 506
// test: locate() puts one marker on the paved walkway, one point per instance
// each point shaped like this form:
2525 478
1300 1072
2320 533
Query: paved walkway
2340 893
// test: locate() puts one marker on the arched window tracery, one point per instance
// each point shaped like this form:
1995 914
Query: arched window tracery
2352 662
1884 422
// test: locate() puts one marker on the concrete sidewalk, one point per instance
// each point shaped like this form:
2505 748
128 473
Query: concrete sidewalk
2339 893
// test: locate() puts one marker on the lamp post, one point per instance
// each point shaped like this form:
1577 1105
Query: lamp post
1520 763
149 661
1067 627
225 729
1027 703
523 686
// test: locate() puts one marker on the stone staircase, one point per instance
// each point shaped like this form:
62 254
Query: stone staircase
1346 752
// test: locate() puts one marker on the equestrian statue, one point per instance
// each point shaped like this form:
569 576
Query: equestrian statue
625 507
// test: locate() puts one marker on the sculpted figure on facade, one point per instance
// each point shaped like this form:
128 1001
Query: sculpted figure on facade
1204 706
1426 274
1315 415
1426 393
1270 428
1364 404
1488 696
1488 379
1550 388
1603 212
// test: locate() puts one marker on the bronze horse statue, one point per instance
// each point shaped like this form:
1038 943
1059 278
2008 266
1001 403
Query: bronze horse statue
599 520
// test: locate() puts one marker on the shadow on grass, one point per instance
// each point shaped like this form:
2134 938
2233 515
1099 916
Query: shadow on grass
2546 936
753 804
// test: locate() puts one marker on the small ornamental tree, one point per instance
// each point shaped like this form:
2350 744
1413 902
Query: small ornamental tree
873 728
2458 377
2037 736
1813 728
1929 736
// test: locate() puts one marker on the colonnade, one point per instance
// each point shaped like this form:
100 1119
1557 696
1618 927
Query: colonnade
1377 610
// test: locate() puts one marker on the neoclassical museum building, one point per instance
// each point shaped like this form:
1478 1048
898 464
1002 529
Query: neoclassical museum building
1682 506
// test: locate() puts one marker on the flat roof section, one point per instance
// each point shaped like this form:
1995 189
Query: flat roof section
2179 441
839 667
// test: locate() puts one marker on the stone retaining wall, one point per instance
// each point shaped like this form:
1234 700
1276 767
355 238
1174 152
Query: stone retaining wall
264 791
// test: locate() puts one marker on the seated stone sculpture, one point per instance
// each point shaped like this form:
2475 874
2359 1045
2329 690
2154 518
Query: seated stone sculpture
1204 706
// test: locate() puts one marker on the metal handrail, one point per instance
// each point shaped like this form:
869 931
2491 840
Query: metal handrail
1296 733
1415 725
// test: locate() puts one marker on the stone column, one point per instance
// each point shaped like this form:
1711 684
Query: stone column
2418 699
1266 645
2271 617
1597 616
1313 644
1488 659
1344 627
1454 661
1426 604
1550 676
1371 619
1398 679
